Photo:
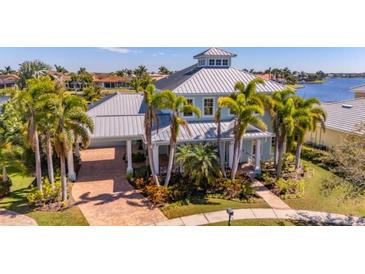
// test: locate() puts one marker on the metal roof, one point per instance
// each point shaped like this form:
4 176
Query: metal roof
118 104
345 115
205 131
215 52
218 81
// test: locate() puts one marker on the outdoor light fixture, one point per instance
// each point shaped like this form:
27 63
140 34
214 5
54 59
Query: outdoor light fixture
230 215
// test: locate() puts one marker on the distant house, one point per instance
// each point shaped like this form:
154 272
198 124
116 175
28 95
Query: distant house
359 91
265 76
342 118
8 80
110 81
158 76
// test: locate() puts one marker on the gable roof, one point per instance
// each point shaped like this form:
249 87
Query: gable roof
207 80
345 115
215 52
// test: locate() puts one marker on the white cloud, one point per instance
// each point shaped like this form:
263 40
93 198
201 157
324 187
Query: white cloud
119 50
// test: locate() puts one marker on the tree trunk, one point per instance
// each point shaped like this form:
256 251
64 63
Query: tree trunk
152 164
38 170
71 166
49 158
220 152
171 161
276 151
5 175
63 177
297 155
280 156
77 149
236 157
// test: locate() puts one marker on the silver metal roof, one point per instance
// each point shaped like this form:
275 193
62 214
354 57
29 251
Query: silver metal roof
118 104
205 131
215 52
214 81
345 115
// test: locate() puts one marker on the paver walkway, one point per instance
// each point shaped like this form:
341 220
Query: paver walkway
270 198
11 218
104 195
310 217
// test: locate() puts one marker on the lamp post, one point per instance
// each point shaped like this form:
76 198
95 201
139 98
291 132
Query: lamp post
230 215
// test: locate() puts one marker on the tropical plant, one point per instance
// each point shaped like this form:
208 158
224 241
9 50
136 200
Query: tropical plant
218 115
200 163
164 70
70 112
27 102
60 69
245 105
92 94
31 69
140 71
307 116
150 117
177 105
7 70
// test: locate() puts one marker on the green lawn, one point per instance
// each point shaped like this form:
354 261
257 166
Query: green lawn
209 205
314 200
262 222
17 202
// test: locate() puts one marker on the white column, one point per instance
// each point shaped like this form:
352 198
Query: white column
258 157
230 154
156 160
129 156
70 166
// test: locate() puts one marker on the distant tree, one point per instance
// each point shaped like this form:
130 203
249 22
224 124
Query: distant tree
120 73
60 69
31 69
140 71
163 70
7 70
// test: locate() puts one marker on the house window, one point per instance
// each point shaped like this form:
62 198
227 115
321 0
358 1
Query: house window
225 62
218 62
230 112
190 101
201 63
208 106
211 62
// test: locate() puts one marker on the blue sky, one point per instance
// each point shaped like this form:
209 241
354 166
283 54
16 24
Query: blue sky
111 59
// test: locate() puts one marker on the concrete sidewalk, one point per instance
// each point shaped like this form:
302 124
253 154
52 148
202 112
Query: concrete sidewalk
270 198
11 218
265 213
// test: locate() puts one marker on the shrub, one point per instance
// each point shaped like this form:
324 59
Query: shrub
158 195
5 187
142 172
233 189
290 188
139 183
50 194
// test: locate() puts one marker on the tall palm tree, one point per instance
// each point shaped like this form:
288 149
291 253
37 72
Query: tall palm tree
245 106
27 104
31 69
140 71
218 115
177 105
71 117
8 70
307 116
60 69
150 117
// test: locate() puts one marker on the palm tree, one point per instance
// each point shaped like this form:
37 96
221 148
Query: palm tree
150 117
245 106
140 71
31 69
219 130
60 69
177 105
8 70
307 115
71 118
200 162
27 102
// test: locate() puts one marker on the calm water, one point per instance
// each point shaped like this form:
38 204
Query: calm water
334 89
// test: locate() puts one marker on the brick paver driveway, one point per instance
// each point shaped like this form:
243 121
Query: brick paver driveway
104 195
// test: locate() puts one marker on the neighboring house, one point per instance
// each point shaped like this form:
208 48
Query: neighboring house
110 81
266 76
119 119
342 118
359 91
158 76
8 80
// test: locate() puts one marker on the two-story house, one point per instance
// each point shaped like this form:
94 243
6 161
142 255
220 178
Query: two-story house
119 118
